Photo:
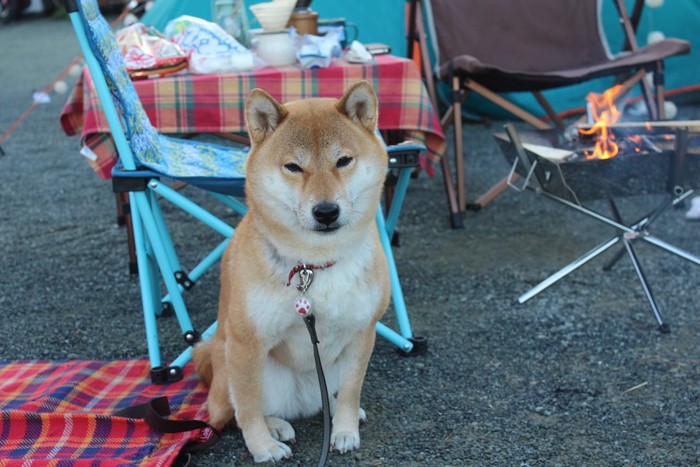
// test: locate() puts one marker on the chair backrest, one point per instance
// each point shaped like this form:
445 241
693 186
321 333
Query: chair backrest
524 35
142 136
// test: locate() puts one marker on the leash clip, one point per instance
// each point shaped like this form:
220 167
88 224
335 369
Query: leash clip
306 277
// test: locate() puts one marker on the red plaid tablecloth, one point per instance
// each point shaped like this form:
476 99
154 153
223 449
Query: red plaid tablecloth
54 414
214 103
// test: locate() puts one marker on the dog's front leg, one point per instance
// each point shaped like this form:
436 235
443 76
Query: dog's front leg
346 420
245 374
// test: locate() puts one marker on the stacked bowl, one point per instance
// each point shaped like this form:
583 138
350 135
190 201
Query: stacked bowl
274 15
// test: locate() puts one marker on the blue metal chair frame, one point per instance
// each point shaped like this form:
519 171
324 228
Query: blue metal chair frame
145 156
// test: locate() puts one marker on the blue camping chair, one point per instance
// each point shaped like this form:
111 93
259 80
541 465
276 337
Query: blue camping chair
146 157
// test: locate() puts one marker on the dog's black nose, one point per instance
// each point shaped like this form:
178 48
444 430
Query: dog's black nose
326 213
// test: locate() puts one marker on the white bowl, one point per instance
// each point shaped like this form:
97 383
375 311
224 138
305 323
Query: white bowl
276 48
273 16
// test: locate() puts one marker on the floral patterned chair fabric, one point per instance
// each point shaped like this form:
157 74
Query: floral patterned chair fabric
173 157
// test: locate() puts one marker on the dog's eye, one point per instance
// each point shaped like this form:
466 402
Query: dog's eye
292 167
343 161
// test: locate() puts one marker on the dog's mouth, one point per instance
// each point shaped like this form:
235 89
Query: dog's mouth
327 229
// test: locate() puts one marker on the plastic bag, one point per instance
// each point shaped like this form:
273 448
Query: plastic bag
318 51
210 48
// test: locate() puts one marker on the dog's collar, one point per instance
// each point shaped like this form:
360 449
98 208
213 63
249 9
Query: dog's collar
300 266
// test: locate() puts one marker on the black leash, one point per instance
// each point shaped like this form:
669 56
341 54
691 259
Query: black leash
303 308
310 321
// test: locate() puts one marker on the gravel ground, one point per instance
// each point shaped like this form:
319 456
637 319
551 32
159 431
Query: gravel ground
579 375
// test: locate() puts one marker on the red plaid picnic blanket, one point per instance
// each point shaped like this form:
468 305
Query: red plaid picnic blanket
60 414
215 103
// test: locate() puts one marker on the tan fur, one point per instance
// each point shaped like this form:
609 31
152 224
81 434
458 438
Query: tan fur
202 362
259 365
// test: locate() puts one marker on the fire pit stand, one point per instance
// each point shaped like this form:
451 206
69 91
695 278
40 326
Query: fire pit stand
540 175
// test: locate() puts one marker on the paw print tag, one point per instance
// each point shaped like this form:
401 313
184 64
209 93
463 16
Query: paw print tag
302 305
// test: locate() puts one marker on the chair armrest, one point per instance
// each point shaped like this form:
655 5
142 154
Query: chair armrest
404 155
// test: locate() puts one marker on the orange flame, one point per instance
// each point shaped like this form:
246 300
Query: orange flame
636 140
605 113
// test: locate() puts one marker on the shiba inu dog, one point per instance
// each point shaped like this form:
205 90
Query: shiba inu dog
314 178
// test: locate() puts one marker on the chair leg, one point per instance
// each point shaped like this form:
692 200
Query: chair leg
150 273
124 219
404 340
549 110
494 192
459 150
634 22
455 213
417 31
157 259
659 79
120 202
148 291
450 193
649 100
167 274
502 185
166 239
629 82
425 56
186 280
629 27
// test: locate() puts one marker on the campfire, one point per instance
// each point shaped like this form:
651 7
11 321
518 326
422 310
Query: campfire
609 137
603 111
606 157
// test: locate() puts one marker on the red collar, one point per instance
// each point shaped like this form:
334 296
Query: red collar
301 266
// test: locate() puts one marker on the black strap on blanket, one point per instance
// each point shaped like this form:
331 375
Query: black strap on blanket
156 411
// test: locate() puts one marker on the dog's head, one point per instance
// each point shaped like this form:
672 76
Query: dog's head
316 166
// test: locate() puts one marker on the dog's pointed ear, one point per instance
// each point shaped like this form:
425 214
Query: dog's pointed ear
360 104
263 114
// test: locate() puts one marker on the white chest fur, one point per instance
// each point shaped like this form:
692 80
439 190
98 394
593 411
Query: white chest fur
344 300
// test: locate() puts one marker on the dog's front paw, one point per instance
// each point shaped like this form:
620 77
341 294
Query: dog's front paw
270 452
345 441
280 429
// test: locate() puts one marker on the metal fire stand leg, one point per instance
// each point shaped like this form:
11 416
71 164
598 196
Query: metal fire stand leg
628 234
568 269
627 240
641 225
663 326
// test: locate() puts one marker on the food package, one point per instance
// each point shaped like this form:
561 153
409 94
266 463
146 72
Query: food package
147 53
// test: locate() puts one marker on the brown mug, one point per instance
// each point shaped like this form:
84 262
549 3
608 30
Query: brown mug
305 21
